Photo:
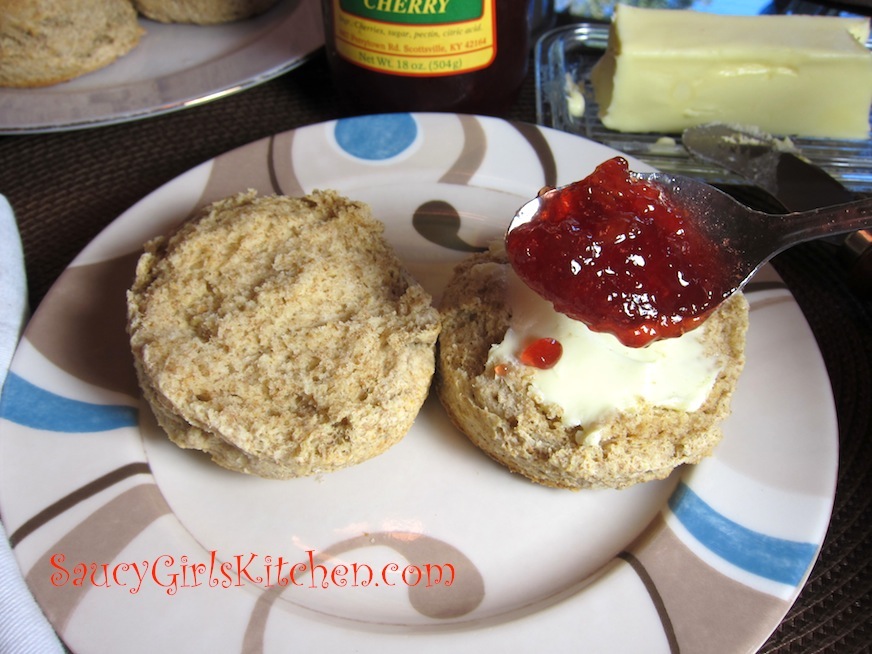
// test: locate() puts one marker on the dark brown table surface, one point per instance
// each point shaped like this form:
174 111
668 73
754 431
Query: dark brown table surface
66 187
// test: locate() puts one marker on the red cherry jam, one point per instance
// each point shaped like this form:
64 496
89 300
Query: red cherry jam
615 253
543 353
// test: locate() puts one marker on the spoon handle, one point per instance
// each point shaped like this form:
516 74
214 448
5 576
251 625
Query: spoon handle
826 221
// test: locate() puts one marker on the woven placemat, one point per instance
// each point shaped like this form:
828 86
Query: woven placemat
108 169
66 187
834 612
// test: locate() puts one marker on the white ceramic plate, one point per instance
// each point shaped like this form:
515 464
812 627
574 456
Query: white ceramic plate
132 544
173 67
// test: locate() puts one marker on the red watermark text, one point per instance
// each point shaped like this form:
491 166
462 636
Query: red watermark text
174 573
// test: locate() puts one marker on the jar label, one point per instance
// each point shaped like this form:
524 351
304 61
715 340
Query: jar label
416 38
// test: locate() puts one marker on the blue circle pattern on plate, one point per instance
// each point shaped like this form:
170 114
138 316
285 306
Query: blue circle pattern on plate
377 137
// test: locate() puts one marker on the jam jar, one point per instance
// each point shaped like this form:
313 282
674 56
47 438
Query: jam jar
465 56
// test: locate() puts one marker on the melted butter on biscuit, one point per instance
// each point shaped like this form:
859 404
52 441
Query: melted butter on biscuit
597 375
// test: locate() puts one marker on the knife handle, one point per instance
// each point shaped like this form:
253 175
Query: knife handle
858 251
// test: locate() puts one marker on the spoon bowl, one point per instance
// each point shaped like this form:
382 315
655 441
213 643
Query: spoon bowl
747 238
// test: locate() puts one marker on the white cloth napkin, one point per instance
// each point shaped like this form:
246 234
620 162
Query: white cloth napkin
23 627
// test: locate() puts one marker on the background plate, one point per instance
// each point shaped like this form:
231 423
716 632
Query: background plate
173 67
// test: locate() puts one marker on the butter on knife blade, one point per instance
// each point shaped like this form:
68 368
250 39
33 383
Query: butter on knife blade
665 70
777 167
772 164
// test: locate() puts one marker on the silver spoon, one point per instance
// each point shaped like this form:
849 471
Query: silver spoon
748 238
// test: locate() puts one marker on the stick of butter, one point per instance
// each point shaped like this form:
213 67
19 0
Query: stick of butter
666 70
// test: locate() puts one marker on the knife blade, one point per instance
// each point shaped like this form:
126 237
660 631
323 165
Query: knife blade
778 168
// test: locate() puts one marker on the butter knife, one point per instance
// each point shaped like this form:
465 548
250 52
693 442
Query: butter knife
778 168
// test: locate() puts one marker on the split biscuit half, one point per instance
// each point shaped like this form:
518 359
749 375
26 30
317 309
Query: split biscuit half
281 335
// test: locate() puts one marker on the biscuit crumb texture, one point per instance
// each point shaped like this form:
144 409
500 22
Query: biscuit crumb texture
281 335
43 42
201 12
499 414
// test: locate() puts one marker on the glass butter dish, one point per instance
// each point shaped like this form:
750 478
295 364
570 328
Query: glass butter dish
564 58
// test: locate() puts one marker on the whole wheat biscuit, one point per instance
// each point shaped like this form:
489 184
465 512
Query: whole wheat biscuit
281 335
201 12
44 42
500 415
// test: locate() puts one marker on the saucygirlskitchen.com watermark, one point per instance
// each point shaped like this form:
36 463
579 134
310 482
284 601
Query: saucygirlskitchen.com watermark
174 573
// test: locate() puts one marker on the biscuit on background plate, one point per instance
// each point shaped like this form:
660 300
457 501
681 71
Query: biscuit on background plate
201 12
44 42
